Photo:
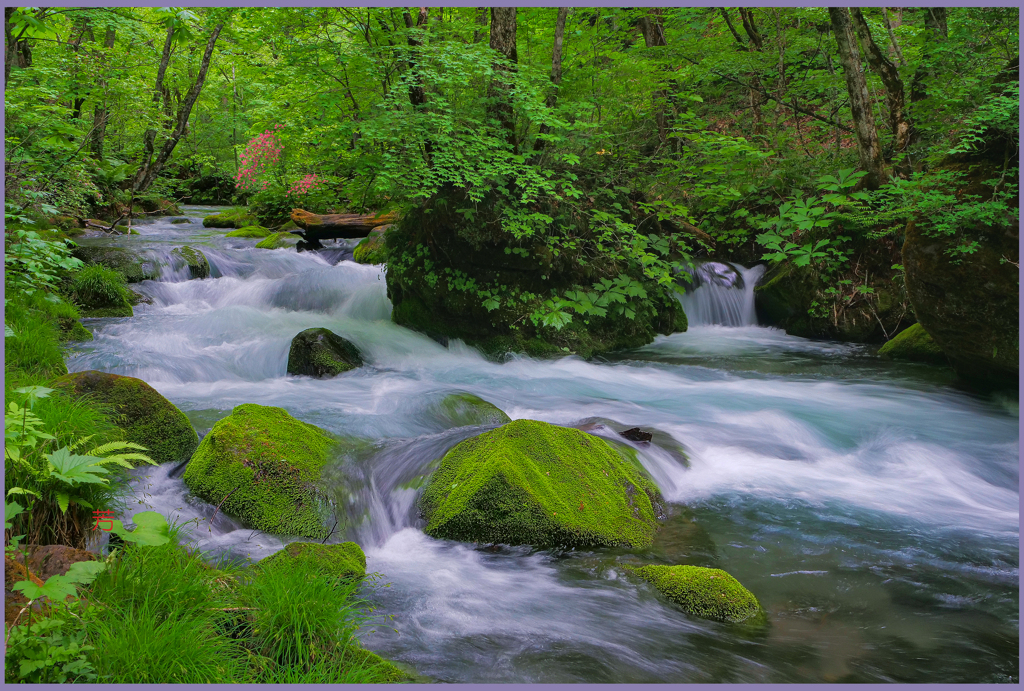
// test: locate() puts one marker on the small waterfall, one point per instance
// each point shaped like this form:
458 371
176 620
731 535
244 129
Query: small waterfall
721 293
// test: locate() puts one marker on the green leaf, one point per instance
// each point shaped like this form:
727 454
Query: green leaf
74 469
151 530
85 572
62 501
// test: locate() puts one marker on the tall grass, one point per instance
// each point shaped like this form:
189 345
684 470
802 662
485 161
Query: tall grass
99 286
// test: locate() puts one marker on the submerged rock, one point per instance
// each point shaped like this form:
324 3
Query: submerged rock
321 353
178 221
262 465
913 344
703 592
533 483
345 560
123 261
462 409
198 265
146 417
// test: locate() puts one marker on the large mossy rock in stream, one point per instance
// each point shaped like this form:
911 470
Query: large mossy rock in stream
321 353
263 466
198 265
125 262
450 278
232 218
344 561
703 592
970 302
277 241
462 409
533 483
913 344
249 232
146 417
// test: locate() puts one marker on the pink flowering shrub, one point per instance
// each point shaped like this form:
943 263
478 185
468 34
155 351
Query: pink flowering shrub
260 156
308 184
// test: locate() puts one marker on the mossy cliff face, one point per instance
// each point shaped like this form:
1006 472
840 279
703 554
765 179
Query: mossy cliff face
438 263
533 483
703 592
321 353
913 344
146 417
264 466
345 560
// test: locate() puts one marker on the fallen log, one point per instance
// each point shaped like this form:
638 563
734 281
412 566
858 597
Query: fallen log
315 227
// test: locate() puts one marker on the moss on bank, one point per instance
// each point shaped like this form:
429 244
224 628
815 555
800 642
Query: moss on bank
345 560
101 292
702 592
530 482
121 260
262 465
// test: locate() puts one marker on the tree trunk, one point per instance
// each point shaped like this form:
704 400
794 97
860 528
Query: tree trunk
503 40
149 169
654 37
902 130
868 146
481 20
556 72
936 31
100 113
417 94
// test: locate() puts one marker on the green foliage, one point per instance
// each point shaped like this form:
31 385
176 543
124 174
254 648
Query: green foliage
96 287
32 263
49 651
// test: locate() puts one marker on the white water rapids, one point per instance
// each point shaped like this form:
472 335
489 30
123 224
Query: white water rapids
872 508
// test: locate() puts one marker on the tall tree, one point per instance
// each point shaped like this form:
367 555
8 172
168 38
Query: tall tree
654 37
503 40
101 111
556 71
868 146
899 123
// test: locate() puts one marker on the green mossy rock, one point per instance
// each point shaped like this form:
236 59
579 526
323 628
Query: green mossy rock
249 232
198 266
123 261
345 560
371 250
286 454
384 671
533 483
703 592
232 218
913 344
321 353
277 241
146 417
462 409
178 221
288 226
74 331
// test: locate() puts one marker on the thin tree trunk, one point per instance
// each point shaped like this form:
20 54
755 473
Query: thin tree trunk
481 21
900 60
100 113
503 40
868 146
417 94
149 170
728 22
902 130
556 72
654 37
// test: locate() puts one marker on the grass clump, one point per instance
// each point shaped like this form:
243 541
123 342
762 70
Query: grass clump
102 292
702 592
530 482
262 465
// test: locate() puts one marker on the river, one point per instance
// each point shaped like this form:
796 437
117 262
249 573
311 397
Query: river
870 506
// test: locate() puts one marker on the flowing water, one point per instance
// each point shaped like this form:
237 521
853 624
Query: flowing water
870 506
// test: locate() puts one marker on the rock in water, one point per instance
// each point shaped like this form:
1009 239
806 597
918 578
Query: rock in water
121 260
913 344
198 266
533 483
702 592
321 353
147 418
462 409
637 434
262 465
232 218
277 241
345 560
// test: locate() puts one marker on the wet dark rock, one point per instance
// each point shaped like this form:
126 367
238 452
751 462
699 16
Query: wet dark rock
637 434
125 262
321 353
198 266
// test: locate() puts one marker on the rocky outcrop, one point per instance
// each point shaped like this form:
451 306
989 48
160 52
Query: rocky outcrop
533 483
146 417
969 302
263 466
321 353
373 248
703 592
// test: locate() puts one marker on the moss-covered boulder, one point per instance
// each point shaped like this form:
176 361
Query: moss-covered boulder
371 250
232 218
345 560
321 353
462 409
123 261
249 232
198 266
101 292
913 344
263 466
530 482
703 592
277 241
146 417
179 221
